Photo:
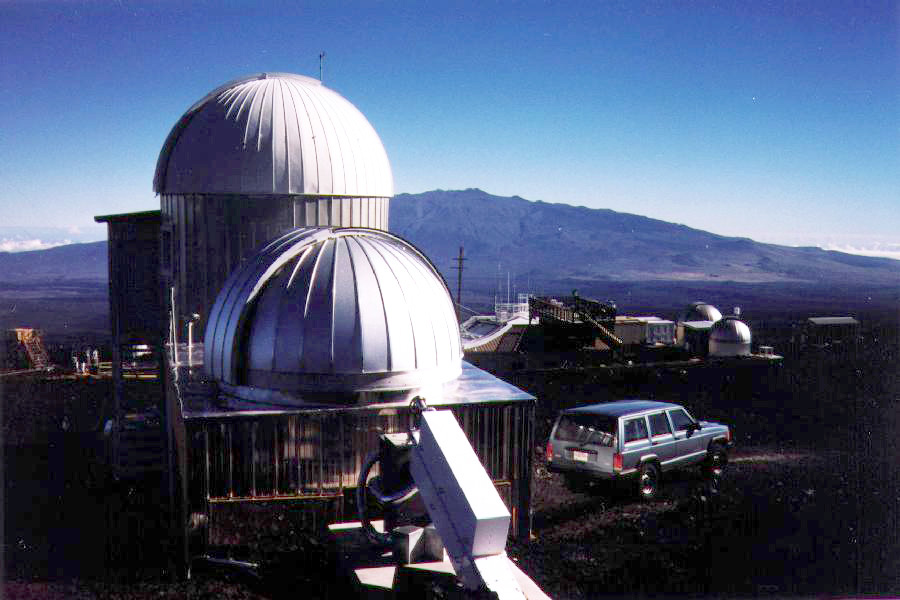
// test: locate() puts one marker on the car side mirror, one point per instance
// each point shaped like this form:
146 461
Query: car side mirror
692 428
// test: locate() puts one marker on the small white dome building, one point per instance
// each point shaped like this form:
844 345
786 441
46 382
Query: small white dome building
700 311
729 337
334 310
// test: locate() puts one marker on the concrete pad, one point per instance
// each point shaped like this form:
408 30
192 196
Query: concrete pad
380 577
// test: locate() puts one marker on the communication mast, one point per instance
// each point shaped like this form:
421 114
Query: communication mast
459 268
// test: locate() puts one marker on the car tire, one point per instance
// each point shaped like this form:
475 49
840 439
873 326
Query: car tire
716 461
648 481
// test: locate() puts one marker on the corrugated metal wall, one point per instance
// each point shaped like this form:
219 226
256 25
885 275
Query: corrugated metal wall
136 308
206 236
318 454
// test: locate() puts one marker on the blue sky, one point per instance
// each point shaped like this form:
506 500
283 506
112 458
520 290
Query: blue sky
776 122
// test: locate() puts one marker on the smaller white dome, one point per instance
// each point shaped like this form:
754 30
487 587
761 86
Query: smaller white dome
334 310
730 337
700 311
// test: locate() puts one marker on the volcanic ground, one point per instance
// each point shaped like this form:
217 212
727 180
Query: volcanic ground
809 506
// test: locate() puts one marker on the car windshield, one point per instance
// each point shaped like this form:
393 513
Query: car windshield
587 429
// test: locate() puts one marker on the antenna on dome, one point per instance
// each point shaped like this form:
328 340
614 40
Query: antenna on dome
322 67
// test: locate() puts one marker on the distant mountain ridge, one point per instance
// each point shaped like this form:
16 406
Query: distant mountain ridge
87 261
539 241
643 264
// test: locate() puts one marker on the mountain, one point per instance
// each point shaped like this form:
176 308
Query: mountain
61 291
643 264
538 242
70 262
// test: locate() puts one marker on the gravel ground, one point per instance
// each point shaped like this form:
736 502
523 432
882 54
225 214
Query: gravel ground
810 505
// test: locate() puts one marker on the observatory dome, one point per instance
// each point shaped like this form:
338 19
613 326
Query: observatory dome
274 133
729 337
334 310
700 311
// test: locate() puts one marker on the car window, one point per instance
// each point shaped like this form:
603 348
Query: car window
635 429
586 429
659 424
680 419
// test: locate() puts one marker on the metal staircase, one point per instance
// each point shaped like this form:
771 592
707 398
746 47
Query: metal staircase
608 337
35 350
577 311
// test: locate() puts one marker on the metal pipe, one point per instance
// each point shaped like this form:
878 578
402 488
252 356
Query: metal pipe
279 498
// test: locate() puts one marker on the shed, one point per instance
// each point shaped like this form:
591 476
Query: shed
693 336
828 331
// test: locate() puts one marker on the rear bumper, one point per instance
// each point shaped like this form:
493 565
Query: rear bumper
585 470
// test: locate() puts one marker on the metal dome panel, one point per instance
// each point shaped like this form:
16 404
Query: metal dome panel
274 133
700 311
334 310
729 337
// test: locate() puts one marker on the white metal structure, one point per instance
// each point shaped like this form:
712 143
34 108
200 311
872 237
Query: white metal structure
323 310
645 330
482 329
464 505
700 311
274 133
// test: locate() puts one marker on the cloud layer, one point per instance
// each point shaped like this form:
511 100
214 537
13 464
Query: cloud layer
19 245
882 250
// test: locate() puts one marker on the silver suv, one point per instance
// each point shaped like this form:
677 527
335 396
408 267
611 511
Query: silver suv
634 439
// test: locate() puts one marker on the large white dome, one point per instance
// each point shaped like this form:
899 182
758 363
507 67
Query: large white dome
274 133
343 310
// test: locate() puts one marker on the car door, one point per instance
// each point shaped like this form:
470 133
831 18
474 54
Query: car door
662 441
635 441
687 447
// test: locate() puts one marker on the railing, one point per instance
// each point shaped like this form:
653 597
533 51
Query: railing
37 354
573 310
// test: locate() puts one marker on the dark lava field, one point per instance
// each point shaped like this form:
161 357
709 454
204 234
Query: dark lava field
809 506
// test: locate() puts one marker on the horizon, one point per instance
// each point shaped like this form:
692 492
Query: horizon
28 239
777 123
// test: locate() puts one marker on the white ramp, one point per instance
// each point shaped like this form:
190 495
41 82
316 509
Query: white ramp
462 502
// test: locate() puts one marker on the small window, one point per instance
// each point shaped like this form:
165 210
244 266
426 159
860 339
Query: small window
680 419
659 424
635 429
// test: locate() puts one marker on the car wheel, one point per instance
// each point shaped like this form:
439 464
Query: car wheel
648 481
716 459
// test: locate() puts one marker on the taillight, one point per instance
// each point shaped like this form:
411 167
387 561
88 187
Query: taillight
549 452
728 435
617 462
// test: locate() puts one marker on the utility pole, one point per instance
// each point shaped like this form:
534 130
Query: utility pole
322 67
459 268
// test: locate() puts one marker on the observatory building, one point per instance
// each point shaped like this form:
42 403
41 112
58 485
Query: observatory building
700 311
253 159
333 311
694 326
729 337
291 328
